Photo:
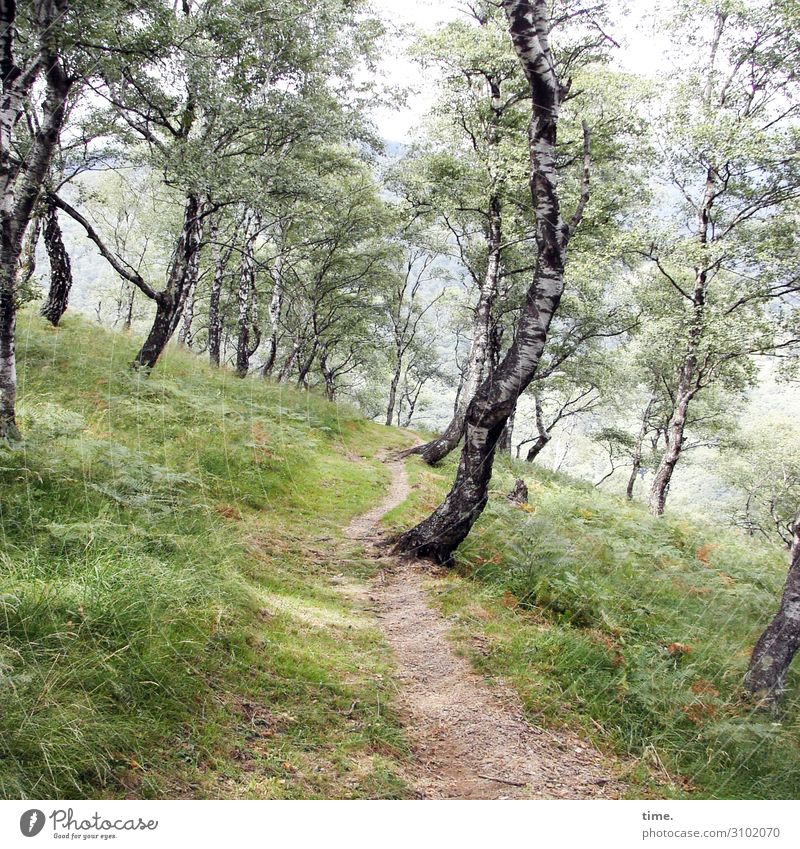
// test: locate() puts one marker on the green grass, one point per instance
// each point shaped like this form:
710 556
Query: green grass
635 630
168 626
170 623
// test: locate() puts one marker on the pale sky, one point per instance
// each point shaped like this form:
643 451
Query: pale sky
641 51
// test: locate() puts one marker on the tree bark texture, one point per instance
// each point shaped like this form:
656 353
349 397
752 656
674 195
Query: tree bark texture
60 267
182 275
274 312
214 315
543 434
777 646
21 181
27 260
439 535
248 337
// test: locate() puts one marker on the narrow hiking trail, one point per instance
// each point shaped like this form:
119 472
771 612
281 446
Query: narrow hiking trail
469 740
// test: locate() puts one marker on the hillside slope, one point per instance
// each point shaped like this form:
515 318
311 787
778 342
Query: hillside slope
167 624
634 629
173 622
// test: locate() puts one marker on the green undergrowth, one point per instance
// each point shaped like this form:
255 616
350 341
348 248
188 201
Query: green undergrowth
635 630
168 621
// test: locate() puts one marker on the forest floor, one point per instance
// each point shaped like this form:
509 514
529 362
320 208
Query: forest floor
194 603
469 740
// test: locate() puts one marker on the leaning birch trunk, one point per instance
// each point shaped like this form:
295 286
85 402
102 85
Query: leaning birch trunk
543 434
439 535
21 181
688 386
436 450
689 383
638 447
60 267
777 646
170 301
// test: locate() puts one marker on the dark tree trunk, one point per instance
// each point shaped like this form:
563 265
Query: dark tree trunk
439 535
329 376
635 469
305 368
60 267
272 354
160 332
182 275
21 179
538 445
214 316
773 653
8 364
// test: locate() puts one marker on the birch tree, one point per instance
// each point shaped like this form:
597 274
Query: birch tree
466 175
407 304
777 646
236 88
24 157
727 154
531 28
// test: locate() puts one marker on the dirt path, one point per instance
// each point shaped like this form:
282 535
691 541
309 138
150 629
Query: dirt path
470 740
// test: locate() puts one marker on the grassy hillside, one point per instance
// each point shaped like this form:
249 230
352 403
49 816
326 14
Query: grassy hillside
638 630
170 624
167 620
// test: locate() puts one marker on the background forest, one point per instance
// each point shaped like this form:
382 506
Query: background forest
223 281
